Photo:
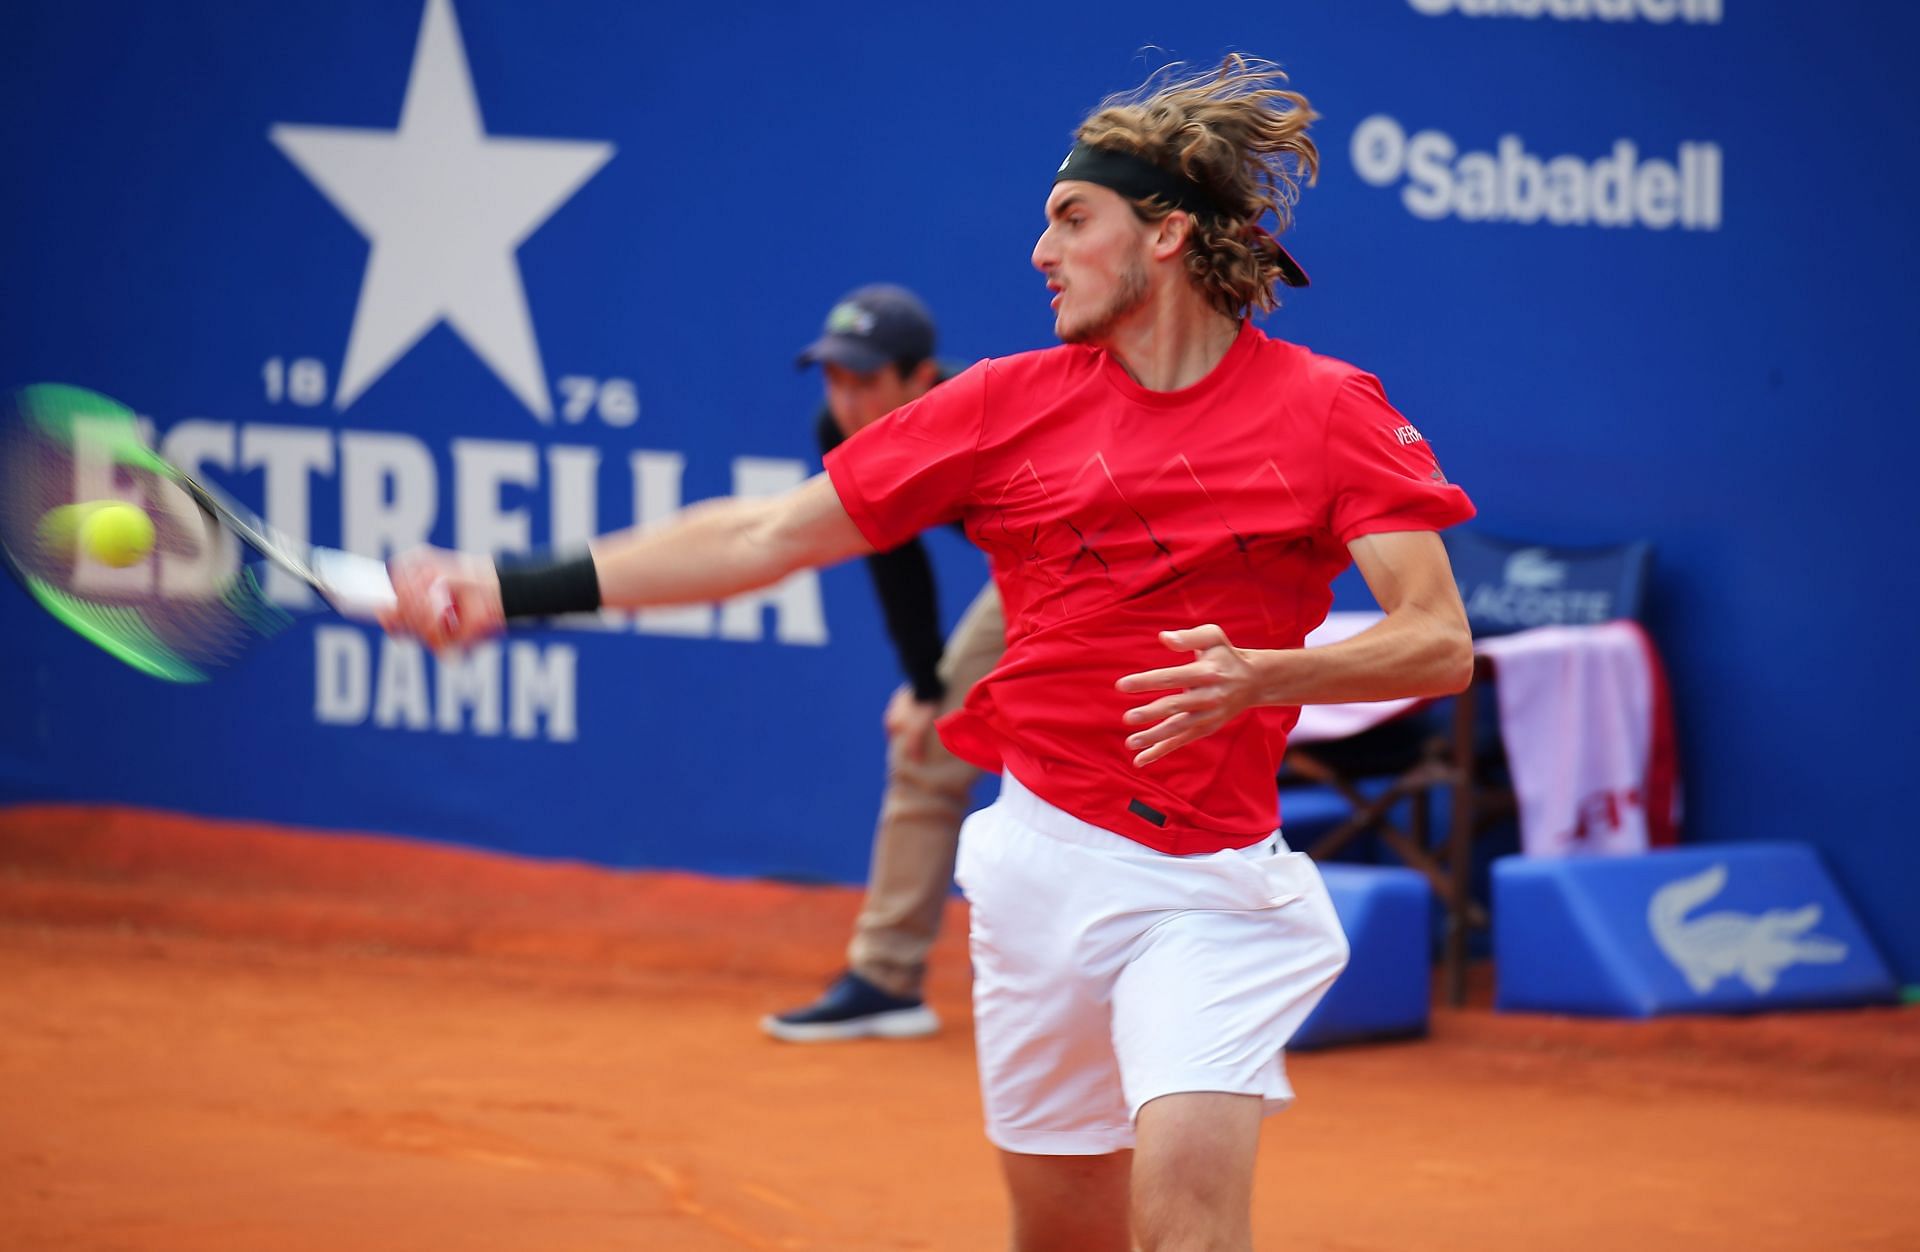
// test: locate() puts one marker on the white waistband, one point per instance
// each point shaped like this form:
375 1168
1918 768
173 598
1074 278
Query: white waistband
1048 819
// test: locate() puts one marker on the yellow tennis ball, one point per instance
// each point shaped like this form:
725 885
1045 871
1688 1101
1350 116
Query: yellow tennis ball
59 529
117 534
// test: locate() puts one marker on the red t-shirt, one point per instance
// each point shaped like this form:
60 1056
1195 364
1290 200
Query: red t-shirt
1110 513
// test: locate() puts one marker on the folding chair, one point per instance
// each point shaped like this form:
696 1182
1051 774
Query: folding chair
1506 585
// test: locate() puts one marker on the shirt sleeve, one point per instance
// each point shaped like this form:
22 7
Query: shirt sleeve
1381 472
913 468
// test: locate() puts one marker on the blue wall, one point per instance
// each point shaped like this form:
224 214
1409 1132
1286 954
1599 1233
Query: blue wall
1728 385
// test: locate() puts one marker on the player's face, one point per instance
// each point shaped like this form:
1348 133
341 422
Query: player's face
1094 254
857 400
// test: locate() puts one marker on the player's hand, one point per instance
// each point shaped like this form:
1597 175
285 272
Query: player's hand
445 599
1218 685
909 721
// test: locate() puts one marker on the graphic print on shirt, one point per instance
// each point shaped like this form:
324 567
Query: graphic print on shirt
1109 543
1267 518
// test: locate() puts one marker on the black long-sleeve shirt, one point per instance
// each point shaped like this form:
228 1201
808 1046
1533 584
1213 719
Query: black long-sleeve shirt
909 599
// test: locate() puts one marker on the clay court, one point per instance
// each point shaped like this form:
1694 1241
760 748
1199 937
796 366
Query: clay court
224 1036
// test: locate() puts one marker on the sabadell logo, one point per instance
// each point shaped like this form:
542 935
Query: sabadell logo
1511 184
1699 12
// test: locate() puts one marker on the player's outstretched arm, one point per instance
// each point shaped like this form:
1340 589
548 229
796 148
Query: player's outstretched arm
720 548
1422 647
712 550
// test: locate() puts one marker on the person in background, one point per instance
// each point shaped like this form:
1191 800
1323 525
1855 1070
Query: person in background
875 354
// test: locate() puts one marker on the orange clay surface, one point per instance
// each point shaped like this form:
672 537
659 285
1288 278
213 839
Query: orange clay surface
219 1036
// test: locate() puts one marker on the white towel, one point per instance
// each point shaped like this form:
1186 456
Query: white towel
1588 727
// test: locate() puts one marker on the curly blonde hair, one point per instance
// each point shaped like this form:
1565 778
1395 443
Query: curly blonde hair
1243 139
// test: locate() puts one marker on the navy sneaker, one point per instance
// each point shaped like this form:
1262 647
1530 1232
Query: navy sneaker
853 1008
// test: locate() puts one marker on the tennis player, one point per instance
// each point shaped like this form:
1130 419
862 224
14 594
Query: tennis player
1164 500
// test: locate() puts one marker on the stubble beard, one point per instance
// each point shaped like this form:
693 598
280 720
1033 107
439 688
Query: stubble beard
1130 295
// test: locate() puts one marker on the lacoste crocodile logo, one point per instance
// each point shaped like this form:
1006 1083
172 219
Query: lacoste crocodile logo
1754 947
1535 568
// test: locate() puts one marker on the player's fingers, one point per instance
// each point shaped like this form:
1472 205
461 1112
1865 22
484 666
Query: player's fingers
1180 677
1141 739
1178 724
1158 750
468 616
441 607
1166 706
399 619
411 576
1174 743
1195 639
421 625
411 566
418 615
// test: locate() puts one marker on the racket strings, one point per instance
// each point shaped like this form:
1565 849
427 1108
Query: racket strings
188 605
121 630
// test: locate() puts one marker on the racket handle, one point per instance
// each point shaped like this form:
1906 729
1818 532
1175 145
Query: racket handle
440 603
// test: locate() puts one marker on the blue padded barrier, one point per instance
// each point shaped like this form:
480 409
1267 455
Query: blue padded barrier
1384 993
1721 928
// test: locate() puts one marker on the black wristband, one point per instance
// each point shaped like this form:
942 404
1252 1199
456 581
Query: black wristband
542 586
929 690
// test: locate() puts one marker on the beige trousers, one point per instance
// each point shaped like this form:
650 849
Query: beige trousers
919 827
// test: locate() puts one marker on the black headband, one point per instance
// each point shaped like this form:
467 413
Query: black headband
1137 178
1134 178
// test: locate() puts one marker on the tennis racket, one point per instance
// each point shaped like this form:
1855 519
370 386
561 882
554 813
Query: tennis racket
191 603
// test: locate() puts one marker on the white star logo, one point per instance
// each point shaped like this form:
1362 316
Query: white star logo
444 206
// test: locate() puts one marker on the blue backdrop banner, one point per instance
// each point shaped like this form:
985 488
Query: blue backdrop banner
500 275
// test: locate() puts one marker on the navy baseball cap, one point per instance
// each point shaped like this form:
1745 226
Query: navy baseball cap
871 328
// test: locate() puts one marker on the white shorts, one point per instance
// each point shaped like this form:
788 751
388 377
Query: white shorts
1106 974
